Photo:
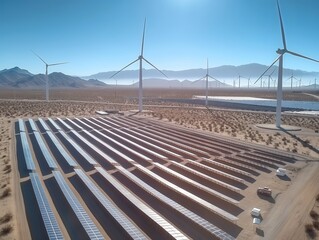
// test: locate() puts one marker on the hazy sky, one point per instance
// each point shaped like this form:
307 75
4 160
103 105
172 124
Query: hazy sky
104 35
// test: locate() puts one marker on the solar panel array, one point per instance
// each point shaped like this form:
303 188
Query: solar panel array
169 228
188 173
127 225
87 223
50 222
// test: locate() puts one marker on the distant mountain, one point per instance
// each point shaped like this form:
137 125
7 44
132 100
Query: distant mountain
20 78
164 83
10 76
252 70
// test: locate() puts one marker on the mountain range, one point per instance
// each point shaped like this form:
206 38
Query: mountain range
190 78
252 71
21 78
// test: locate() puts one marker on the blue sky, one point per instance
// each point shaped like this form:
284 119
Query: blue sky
104 35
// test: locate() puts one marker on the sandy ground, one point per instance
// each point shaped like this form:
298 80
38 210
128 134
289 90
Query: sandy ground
281 220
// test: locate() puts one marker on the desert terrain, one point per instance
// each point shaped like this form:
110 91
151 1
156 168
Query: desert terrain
280 220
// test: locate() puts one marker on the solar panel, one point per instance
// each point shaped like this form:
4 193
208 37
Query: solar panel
196 184
127 225
84 123
214 162
94 148
189 195
86 156
56 126
179 149
44 125
27 152
209 178
21 125
32 124
189 214
62 151
65 124
47 155
136 144
74 123
77 208
50 222
109 147
169 228
217 171
123 146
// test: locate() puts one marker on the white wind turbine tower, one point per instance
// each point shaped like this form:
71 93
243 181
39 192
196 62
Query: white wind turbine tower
140 58
47 65
206 77
281 53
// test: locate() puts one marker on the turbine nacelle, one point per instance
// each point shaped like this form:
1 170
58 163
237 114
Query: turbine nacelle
281 51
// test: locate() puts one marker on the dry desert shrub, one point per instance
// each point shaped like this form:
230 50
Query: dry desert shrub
316 225
6 230
6 193
317 197
7 169
310 230
313 214
6 218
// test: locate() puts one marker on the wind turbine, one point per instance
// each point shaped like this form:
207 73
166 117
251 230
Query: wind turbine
292 79
269 77
140 58
208 76
281 53
47 65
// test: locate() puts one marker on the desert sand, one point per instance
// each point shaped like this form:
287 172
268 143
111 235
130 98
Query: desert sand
281 220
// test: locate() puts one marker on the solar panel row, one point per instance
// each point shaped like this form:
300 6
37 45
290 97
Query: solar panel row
50 222
62 151
56 126
77 208
96 150
86 156
65 124
127 225
27 152
32 124
187 194
154 216
47 155
209 178
21 125
44 125
196 184
189 214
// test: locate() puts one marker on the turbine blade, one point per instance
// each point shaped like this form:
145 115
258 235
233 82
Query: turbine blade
155 67
268 68
214 78
197 80
299 55
282 27
53 64
207 66
124 67
142 49
39 57
272 72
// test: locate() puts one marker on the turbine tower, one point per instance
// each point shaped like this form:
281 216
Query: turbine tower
47 65
140 58
281 53
206 88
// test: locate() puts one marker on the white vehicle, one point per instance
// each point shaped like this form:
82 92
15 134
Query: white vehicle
255 212
281 172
